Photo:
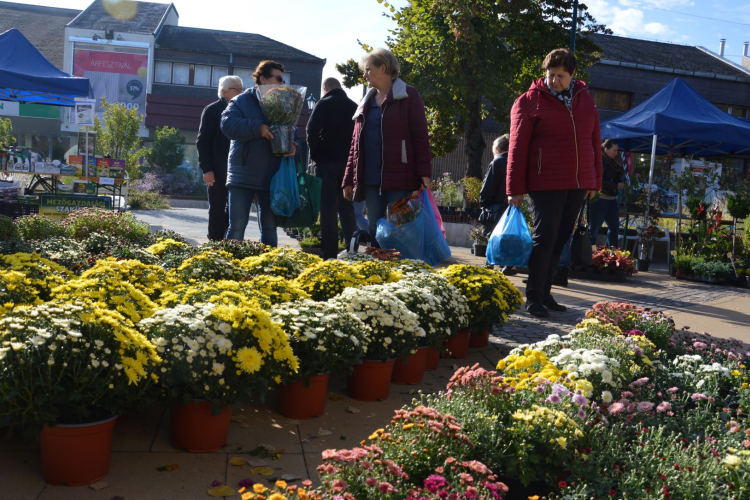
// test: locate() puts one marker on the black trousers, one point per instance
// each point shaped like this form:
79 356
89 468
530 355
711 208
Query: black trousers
218 211
334 206
554 214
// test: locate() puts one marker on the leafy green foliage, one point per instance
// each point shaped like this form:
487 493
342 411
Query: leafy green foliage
168 151
147 201
8 230
6 132
39 227
118 136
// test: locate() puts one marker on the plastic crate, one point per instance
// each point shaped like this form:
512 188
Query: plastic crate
29 209
12 210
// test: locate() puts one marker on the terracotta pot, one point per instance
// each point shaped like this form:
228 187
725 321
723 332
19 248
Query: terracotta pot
76 454
480 339
300 402
195 429
370 381
410 370
457 345
432 358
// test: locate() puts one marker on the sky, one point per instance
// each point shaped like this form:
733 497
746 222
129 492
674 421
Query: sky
330 29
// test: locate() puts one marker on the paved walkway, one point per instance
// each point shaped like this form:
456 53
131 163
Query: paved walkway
141 444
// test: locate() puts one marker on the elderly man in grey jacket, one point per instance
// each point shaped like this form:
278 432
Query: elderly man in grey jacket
252 163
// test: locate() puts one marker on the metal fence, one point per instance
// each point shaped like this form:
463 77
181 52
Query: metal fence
455 162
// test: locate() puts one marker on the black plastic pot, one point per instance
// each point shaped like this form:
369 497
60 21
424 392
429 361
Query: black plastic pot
642 265
480 250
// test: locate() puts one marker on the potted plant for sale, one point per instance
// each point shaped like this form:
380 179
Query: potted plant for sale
647 235
395 334
323 338
215 357
70 370
476 234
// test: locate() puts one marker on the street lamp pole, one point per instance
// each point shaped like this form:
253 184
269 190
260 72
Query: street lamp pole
573 27
311 102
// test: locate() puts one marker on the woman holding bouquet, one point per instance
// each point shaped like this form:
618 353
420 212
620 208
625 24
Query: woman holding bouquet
390 152
251 163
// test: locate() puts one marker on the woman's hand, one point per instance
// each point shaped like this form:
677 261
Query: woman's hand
266 132
425 183
208 178
590 194
515 200
294 149
348 192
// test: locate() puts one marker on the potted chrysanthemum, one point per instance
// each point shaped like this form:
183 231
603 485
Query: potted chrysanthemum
69 371
324 338
395 333
215 357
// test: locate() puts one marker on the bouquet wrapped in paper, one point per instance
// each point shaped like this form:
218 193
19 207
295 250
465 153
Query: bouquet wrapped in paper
282 106
405 210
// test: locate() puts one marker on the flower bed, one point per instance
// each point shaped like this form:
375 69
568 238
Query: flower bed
622 407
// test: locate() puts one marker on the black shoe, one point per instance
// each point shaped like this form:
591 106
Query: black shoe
537 309
525 280
509 271
561 277
552 305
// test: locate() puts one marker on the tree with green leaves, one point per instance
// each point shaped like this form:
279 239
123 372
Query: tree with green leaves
168 151
117 136
472 58
6 133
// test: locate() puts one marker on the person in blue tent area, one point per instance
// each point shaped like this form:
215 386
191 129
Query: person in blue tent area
492 197
605 209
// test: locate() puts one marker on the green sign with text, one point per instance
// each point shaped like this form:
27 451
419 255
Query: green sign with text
60 205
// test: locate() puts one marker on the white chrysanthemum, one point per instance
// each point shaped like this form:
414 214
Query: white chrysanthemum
606 396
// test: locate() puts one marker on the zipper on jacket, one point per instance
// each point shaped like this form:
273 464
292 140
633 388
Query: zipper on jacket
540 161
382 145
575 135
359 154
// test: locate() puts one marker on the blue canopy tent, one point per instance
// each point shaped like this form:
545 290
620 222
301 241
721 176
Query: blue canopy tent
678 119
27 76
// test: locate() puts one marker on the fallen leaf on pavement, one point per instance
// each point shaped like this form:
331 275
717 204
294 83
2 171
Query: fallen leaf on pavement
336 397
237 461
221 491
168 468
263 471
99 485
352 409
323 432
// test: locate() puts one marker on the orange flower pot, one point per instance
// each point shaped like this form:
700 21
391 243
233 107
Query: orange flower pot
458 345
195 429
76 454
370 380
480 339
410 370
300 402
432 358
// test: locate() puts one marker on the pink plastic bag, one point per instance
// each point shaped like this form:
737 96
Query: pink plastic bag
436 212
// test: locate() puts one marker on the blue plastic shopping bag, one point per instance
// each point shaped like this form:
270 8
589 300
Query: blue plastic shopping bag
510 243
284 189
421 239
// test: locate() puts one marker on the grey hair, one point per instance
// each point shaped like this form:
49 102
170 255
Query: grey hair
226 81
379 57
501 144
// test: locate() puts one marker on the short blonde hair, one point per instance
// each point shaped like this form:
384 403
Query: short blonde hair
379 57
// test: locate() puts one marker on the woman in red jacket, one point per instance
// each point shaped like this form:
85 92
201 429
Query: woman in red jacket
390 153
555 158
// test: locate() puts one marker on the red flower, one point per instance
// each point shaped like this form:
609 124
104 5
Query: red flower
562 485
665 492
662 476
612 493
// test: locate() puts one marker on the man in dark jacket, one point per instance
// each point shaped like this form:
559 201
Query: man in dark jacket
213 151
492 197
329 136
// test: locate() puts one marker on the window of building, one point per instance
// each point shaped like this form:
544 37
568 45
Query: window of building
612 100
163 73
738 111
246 75
217 73
202 76
181 74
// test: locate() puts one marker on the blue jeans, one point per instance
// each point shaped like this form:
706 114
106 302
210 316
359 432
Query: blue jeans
240 200
359 216
377 204
602 211
565 255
